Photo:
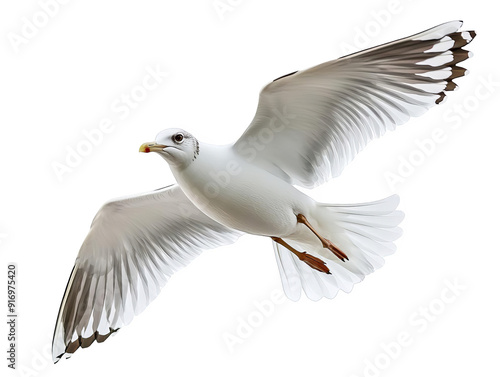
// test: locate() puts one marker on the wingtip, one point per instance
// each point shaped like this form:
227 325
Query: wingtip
81 342
441 98
58 358
457 24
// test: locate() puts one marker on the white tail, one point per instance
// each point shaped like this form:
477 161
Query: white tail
365 232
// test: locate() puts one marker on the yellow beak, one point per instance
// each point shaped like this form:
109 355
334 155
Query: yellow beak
151 147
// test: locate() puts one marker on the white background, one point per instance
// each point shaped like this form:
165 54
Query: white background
64 80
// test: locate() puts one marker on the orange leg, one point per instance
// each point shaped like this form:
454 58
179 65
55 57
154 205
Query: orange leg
327 244
308 259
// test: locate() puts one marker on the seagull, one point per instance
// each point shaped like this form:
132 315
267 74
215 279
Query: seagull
308 126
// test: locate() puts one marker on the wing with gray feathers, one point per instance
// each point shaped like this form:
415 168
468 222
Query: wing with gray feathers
310 124
134 245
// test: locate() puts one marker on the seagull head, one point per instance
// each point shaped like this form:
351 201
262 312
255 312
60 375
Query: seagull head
177 146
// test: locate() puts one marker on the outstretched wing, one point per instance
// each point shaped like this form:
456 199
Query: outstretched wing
310 124
134 245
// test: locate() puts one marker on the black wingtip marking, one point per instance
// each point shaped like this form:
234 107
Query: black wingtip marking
441 98
288 74
451 86
457 71
72 347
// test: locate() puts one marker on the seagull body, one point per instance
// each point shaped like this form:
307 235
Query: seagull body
308 126
238 197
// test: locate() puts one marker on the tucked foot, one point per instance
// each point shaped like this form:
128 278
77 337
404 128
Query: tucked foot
308 259
313 262
327 244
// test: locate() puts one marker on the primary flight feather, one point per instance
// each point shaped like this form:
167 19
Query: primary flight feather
308 126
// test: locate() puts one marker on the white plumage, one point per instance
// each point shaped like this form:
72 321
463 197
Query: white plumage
309 125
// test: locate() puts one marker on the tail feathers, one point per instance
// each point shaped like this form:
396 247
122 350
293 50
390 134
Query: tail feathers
365 232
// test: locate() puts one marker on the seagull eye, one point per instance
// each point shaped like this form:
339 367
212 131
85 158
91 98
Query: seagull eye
179 138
